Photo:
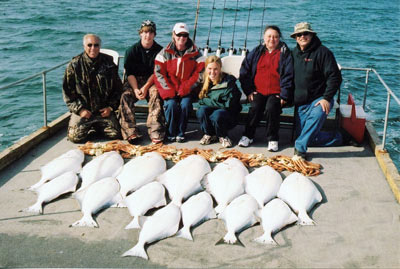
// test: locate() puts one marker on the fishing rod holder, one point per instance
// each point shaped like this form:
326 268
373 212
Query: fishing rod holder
243 51
232 51
219 51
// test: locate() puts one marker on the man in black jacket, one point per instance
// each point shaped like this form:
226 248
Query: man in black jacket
317 79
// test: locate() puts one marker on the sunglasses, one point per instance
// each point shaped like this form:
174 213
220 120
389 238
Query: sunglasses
94 45
182 35
302 34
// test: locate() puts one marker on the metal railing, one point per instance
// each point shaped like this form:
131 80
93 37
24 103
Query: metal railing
367 70
390 94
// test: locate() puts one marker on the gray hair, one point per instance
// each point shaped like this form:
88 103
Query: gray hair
91 35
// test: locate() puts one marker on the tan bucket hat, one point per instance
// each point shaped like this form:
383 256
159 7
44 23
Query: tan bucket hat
302 27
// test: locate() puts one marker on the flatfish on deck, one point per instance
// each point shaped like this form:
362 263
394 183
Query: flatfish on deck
108 164
151 195
70 161
164 223
141 170
183 179
226 182
98 195
263 184
301 195
238 215
195 210
275 215
51 190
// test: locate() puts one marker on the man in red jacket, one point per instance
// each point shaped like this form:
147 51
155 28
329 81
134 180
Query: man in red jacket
177 77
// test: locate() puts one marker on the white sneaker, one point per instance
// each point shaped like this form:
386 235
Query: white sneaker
245 141
273 146
225 142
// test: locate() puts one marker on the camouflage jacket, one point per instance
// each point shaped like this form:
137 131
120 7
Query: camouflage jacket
91 84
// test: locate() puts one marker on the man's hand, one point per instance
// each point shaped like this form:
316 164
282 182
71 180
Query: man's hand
144 91
138 94
325 105
84 113
105 112
250 97
283 102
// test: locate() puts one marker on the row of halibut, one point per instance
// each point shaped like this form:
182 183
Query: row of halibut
242 199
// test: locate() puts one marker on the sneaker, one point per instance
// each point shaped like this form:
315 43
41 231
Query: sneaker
225 142
180 139
208 139
299 155
171 139
273 146
245 141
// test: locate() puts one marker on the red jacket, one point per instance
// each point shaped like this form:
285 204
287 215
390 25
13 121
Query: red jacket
177 75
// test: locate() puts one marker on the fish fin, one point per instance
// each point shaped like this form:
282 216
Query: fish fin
120 204
35 186
137 251
86 221
220 208
212 214
265 239
185 233
304 219
142 220
163 202
79 195
134 224
35 208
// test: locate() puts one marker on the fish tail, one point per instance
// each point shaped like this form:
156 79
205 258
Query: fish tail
134 224
304 219
265 239
185 233
35 186
230 239
137 251
86 221
36 208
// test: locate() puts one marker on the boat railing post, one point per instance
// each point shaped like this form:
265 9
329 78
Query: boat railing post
386 121
44 99
366 88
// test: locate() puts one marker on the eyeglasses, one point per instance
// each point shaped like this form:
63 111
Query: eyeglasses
94 45
302 34
182 35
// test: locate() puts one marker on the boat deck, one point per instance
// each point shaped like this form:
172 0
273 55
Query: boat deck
358 222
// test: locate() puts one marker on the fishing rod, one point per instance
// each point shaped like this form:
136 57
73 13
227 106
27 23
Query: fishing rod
262 24
231 50
220 49
195 21
207 49
244 49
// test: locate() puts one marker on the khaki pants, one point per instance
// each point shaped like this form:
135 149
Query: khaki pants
78 128
155 119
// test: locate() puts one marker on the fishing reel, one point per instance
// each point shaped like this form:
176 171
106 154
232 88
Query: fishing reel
243 51
231 51
219 51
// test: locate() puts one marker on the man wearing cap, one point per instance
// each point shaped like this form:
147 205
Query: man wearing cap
177 77
139 85
317 79
91 90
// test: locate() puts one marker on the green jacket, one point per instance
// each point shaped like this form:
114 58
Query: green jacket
224 95
92 84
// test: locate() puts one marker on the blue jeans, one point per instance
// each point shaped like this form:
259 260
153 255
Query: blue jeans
215 121
309 121
177 111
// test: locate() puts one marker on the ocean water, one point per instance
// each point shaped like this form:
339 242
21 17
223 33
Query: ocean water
37 35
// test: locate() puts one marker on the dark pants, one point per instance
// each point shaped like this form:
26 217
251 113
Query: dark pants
177 111
215 121
270 106
78 128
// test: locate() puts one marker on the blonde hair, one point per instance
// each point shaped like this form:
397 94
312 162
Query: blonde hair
207 80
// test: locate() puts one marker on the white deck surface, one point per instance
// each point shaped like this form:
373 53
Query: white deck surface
358 222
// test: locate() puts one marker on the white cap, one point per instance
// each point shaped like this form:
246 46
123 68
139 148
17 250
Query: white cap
180 27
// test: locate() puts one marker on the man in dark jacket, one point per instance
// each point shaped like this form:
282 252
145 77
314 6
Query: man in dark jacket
91 90
317 79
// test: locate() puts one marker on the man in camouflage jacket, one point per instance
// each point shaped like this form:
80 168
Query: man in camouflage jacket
92 90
